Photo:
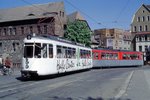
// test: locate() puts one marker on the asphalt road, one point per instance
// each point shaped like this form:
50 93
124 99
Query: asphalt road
95 84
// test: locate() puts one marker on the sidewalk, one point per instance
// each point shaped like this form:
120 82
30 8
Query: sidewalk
139 86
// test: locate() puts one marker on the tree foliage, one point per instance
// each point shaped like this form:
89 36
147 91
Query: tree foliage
78 31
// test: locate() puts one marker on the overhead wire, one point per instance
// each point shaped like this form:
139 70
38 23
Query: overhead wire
121 12
99 23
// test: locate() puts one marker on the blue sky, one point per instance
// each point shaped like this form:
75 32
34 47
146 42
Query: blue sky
98 13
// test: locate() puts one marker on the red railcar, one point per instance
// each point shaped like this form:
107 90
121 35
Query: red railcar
116 58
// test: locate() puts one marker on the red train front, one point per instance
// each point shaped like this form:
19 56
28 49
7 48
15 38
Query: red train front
116 58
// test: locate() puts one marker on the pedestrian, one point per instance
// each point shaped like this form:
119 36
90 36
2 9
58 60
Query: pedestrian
8 62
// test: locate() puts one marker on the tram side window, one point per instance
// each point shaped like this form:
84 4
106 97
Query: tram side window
59 52
50 51
64 52
89 54
44 50
37 53
69 52
82 53
73 53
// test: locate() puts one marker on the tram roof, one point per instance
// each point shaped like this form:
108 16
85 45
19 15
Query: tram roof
115 49
59 39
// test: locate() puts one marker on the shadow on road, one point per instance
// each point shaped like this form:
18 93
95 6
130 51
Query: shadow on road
38 78
81 98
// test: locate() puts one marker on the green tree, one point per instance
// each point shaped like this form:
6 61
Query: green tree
78 31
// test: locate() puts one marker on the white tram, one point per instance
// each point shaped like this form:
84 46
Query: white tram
51 55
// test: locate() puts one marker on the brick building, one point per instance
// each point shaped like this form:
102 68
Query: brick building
16 23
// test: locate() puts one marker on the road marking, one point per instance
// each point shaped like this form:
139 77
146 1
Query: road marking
125 86
147 73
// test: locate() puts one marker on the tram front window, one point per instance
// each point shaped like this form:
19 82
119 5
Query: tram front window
28 51
37 52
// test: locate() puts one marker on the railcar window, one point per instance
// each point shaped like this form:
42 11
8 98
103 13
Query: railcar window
115 56
103 56
59 52
82 53
134 56
44 50
69 52
50 51
37 52
73 53
89 54
28 51
124 56
109 56
64 52
95 55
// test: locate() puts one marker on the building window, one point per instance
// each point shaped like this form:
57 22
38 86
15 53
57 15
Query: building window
143 18
140 28
31 30
10 31
0 32
140 48
138 19
146 47
5 32
140 39
60 13
129 43
22 30
148 38
137 39
143 38
63 14
39 29
135 29
14 31
143 11
145 28
0 46
148 18
45 29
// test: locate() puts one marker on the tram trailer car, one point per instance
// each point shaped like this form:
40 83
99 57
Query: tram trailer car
114 58
53 55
